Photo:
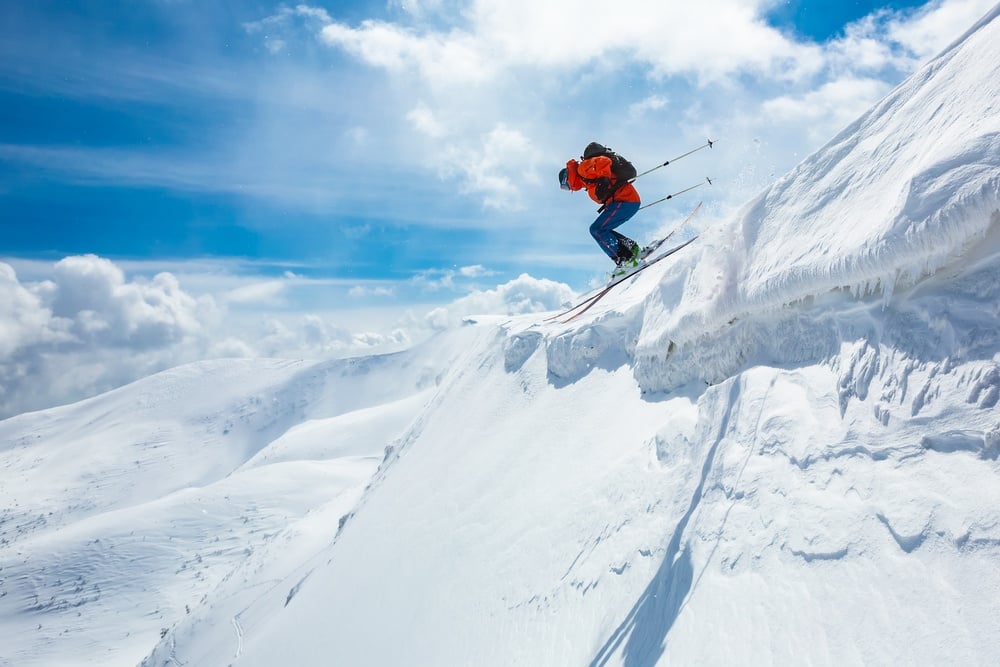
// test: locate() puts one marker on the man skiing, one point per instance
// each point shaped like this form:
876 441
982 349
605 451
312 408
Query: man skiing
606 176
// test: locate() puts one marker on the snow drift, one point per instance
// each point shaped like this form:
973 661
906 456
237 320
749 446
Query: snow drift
780 448
906 190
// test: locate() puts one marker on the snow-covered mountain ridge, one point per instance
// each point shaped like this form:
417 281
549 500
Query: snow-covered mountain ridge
120 513
781 448
908 190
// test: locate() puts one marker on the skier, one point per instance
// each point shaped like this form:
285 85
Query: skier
606 176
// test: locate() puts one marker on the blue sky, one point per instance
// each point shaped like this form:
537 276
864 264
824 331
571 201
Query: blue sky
284 163
168 129
823 20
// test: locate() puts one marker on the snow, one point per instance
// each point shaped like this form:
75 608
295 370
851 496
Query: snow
781 446
123 512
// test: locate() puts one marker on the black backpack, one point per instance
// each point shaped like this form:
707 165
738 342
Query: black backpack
620 167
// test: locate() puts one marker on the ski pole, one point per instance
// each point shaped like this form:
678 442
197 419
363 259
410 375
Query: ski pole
709 144
663 199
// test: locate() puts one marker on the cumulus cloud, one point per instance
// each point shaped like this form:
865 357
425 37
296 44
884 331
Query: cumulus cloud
423 119
711 39
937 24
495 168
476 271
87 329
157 312
92 295
26 321
828 108
477 89
440 58
84 327
491 90
652 103
524 294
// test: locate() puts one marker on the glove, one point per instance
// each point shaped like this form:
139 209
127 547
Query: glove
604 189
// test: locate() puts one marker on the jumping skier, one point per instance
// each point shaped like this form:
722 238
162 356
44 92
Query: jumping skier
606 177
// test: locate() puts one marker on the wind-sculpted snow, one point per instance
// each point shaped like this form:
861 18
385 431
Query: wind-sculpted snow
908 190
894 196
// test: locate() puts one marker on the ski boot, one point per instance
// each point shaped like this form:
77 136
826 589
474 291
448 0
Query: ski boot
628 259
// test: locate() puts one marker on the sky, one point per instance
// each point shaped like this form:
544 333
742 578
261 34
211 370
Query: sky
186 179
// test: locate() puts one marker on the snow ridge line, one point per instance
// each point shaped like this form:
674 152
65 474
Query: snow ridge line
889 265
902 191
397 449
816 329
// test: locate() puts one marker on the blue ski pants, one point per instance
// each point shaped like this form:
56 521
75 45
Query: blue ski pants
614 215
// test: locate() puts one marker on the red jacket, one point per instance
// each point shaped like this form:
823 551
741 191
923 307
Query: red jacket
585 174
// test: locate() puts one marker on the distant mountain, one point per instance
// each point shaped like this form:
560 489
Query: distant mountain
121 514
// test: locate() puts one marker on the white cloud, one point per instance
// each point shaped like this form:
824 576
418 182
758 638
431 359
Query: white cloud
433 280
476 271
26 321
489 81
712 39
285 17
495 169
268 292
87 329
275 46
82 326
652 103
313 336
456 70
364 291
418 7
423 119
937 25
500 92
524 294
440 58
104 309
865 47
826 109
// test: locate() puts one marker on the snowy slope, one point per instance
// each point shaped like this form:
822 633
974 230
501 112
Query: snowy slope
121 513
907 190
782 447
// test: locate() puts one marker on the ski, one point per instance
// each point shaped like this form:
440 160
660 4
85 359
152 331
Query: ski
592 301
647 251
655 245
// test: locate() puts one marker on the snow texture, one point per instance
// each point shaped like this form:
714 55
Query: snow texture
779 447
